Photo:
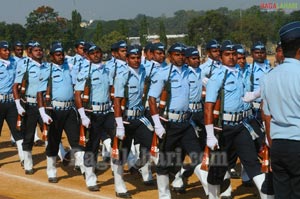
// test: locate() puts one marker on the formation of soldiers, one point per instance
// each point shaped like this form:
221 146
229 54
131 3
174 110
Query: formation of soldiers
145 110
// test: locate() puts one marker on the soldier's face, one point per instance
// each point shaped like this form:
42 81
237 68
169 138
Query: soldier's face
18 51
193 61
121 54
95 56
4 53
158 56
259 55
241 60
37 53
58 58
177 58
149 55
279 55
214 54
228 58
134 61
79 50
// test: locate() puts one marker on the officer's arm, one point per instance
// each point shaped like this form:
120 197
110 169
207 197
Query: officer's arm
208 112
78 102
267 121
15 91
152 105
117 107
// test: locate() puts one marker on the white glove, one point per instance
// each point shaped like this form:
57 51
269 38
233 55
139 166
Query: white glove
21 110
159 129
204 81
120 130
85 121
211 140
250 96
46 118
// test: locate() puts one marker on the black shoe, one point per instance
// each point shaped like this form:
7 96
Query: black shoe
13 144
29 172
53 180
226 197
234 174
67 159
93 188
22 163
106 159
134 171
39 143
123 195
149 183
248 183
77 168
179 190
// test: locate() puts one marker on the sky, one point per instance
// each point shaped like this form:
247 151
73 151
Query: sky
16 11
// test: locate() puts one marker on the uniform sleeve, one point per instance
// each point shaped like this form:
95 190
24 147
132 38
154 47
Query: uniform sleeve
21 68
157 84
263 96
44 75
81 79
213 86
120 81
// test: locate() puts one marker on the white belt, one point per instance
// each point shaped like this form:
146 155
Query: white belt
177 116
6 97
133 113
195 106
31 100
61 104
256 105
234 117
247 113
101 108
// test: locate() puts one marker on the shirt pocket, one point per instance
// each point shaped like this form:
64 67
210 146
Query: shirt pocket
57 80
230 86
3 74
33 74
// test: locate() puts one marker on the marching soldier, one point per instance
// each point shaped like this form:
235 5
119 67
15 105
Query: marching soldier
129 85
178 134
30 73
56 81
7 104
227 83
101 119
76 61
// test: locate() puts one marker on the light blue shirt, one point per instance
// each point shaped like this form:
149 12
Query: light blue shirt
62 86
110 66
259 70
135 81
75 64
112 69
209 67
99 80
233 89
246 78
281 97
180 88
7 76
195 84
33 76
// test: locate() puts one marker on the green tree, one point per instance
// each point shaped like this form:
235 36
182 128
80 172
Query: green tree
162 33
143 31
76 29
110 38
98 32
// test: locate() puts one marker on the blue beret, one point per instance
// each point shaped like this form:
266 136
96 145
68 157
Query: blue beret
134 50
177 47
290 31
93 47
87 45
191 51
121 44
240 49
29 43
4 44
35 44
258 46
114 47
79 42
227 45
56 48
213 44
18 43
158 46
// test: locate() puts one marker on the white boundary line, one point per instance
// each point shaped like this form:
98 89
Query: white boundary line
86 194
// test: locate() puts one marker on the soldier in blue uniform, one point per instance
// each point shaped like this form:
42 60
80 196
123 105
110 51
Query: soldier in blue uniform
7 105
31 115
233 132
101 120
76 61
63 115
280 94
129 85
178 134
